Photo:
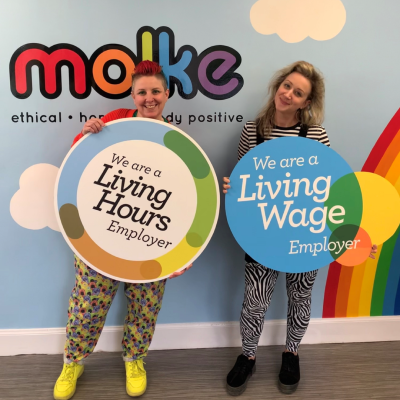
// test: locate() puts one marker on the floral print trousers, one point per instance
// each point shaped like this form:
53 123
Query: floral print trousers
89 303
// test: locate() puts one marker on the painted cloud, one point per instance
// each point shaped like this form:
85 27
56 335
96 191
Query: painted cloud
294 20
32 206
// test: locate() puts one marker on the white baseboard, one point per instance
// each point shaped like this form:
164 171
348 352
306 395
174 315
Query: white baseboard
208 335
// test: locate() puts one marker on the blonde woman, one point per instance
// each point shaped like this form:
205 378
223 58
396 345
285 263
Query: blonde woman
295 108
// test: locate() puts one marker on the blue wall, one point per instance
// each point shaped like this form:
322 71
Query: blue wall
360 65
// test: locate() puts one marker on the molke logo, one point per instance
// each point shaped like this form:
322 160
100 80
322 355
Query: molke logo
211 72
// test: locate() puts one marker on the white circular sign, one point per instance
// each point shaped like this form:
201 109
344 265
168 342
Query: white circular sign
127 210
138 201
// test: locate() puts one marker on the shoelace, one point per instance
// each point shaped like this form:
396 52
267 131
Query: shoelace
68 373
289 364
135 370
243 367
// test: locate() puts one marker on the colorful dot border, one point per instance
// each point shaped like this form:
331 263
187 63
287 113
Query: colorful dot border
204 221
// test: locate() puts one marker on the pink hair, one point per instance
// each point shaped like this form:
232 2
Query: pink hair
149 68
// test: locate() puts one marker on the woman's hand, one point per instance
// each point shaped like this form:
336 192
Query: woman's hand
374 249
226 185
93 125
175 274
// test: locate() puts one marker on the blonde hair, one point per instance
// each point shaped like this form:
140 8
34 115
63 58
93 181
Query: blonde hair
310 115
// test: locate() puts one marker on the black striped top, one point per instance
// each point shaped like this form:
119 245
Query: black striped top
248 138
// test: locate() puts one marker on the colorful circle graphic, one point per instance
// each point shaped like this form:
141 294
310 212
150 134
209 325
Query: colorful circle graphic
138 201
295 205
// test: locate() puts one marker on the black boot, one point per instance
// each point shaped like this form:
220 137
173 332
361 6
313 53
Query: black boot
236 381
289 376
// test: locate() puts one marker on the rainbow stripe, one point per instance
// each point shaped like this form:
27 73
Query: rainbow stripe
372 288
147 46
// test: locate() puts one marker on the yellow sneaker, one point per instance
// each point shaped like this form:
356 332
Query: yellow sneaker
65 386
136 380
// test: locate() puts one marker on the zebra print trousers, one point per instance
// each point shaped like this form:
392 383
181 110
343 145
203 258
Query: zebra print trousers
259 286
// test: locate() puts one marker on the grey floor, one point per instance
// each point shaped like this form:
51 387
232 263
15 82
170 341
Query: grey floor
334 371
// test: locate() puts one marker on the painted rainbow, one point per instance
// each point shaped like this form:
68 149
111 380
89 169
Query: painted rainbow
372 288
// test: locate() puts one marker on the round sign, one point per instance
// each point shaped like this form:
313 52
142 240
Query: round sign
295 205
138 201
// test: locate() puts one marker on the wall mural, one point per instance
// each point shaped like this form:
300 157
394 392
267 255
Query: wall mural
60 74
320 20
211 72
372 288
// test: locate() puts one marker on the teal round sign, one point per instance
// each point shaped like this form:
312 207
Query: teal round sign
295 205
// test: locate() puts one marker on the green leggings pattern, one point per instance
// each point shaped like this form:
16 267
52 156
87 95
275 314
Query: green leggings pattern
89 303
